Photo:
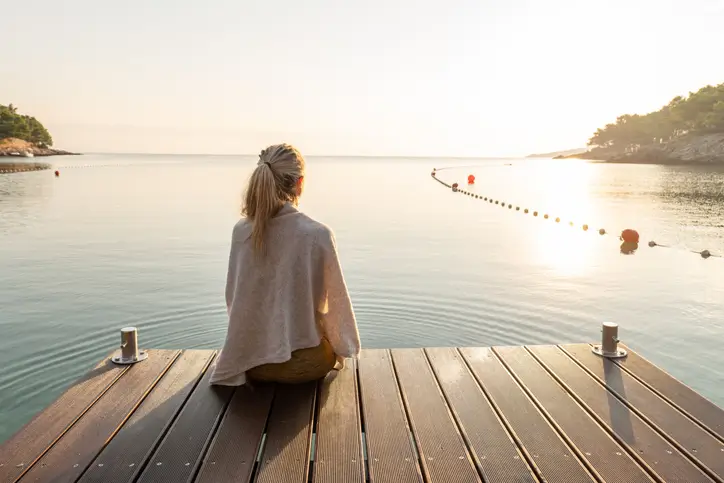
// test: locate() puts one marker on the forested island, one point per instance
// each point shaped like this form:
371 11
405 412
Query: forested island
687 130
23 135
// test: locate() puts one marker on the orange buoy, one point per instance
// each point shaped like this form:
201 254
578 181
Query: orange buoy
471 179
630 236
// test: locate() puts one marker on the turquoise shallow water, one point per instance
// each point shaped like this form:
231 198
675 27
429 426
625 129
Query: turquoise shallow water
143 239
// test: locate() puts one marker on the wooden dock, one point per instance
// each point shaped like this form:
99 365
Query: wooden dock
537 413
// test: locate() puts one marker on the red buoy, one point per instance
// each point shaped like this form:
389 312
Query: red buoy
630 236
57 173
471 179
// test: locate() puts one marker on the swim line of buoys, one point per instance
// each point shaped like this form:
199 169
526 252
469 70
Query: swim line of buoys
629 237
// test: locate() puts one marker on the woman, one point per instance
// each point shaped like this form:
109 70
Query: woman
290 316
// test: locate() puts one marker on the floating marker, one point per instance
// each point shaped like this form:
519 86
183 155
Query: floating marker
525 211
601 231
545 216
630 236
57 173
558 220
585 227
652 243
471 179
517 208
535 213
705 254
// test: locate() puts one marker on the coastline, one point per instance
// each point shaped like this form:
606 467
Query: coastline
15 148
701 150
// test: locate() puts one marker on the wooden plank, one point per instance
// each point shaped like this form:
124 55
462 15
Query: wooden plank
677 393
233 452
553 458
72 454
593 443
626 426
390 454
697 443
443 455
24 448
338 456
286 453
493 450
181 451
126 454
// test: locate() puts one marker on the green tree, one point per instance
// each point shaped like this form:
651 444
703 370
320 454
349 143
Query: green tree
27 128
699 112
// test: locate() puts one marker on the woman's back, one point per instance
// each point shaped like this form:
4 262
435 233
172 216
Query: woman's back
283 294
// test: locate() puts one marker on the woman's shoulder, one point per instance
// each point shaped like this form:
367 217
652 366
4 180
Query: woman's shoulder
321 232
312 224
297 222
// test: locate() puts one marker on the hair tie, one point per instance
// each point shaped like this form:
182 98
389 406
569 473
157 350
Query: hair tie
267 163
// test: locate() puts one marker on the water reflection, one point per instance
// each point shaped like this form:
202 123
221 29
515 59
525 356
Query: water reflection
559 242
629 248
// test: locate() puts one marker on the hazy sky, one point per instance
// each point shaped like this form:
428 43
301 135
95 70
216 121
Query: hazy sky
455 78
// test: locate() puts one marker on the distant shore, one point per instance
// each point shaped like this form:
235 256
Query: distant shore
692 150
17 148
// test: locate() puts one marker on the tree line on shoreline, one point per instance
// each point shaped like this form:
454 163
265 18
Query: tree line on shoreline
699 113
20 126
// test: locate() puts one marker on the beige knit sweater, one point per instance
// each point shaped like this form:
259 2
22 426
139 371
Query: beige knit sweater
286 299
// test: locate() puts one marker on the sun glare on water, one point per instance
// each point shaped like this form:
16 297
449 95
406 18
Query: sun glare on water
564 191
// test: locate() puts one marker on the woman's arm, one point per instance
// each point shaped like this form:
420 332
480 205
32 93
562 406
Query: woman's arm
340 325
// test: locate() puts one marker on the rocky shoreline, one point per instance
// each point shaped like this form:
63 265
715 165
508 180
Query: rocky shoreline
707 150
12 147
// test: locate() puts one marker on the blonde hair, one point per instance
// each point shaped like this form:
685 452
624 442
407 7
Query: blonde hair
272 184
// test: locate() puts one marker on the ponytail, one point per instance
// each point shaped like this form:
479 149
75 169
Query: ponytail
273 183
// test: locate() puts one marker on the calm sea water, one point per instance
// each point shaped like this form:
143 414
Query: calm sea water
143 240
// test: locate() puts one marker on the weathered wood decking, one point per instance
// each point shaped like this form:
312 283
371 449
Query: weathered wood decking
541 413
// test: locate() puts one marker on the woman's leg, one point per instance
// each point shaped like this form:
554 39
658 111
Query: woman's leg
304 366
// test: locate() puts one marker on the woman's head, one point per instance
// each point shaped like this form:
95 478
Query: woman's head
277 179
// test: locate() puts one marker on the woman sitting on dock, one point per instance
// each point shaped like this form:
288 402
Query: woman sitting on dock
290 316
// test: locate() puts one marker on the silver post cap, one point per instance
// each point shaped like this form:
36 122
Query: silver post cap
130 354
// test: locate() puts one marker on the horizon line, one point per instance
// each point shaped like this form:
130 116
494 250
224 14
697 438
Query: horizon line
315 155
